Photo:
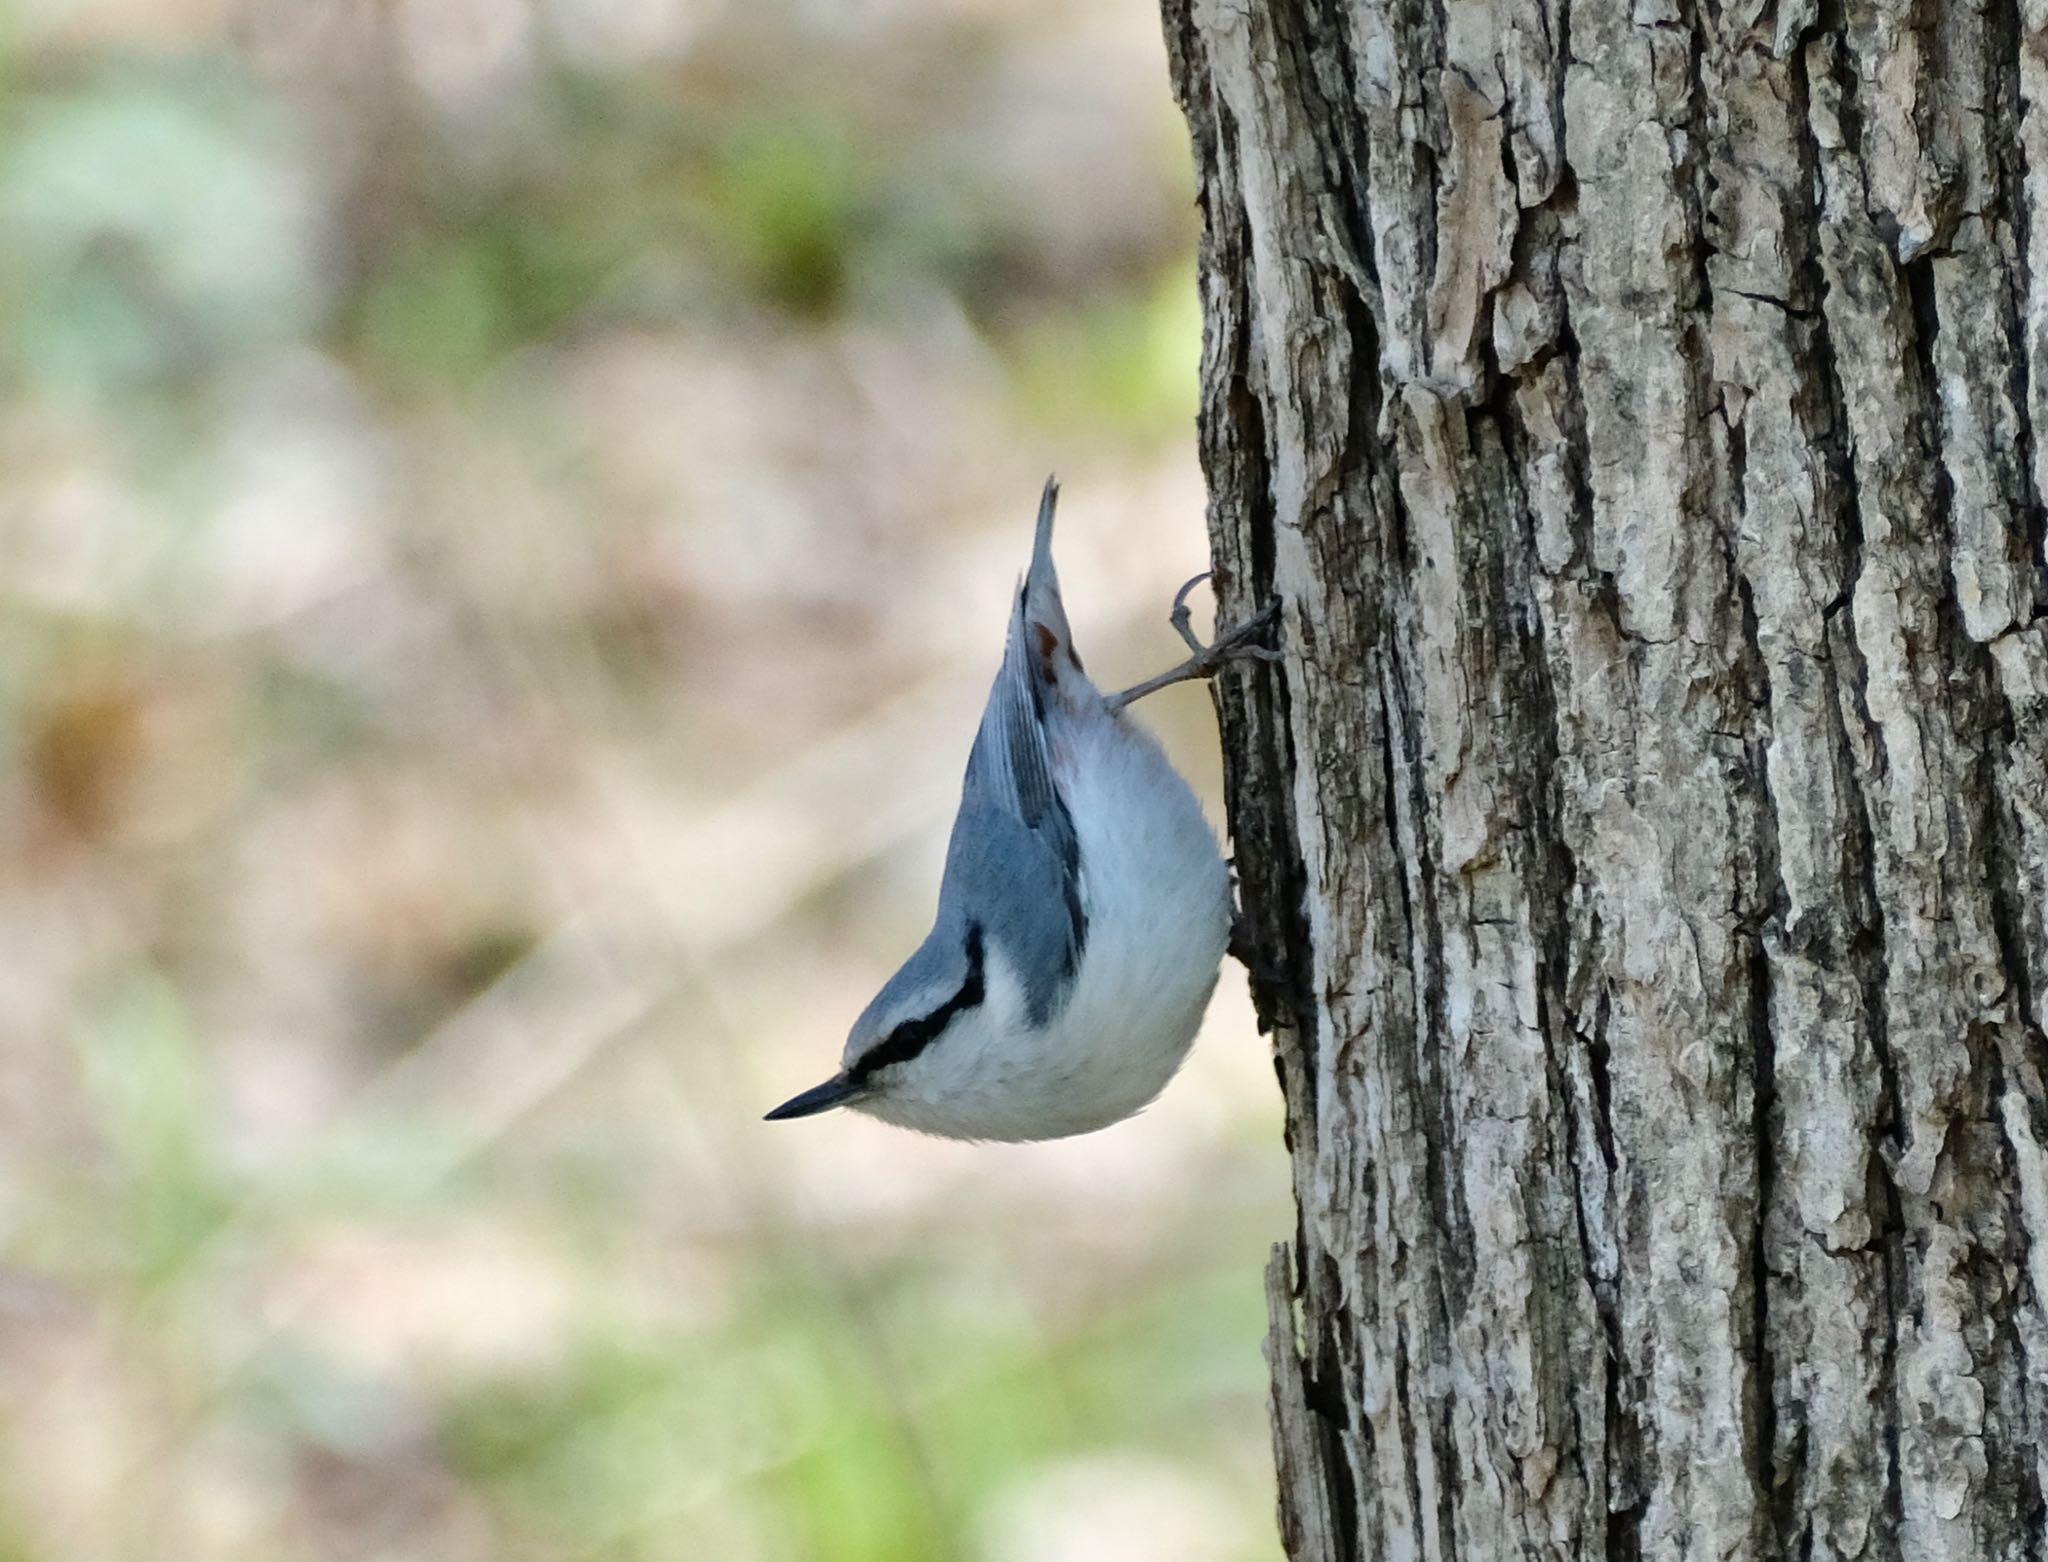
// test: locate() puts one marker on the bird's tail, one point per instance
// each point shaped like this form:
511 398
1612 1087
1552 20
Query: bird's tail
1038 603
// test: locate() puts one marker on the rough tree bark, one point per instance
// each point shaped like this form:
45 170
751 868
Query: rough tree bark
1635 409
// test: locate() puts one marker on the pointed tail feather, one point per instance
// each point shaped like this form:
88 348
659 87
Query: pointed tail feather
1039 602
1041 544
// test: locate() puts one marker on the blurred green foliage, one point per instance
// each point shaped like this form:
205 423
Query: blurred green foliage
143 1078
158 231
1128 361
153 229
785 206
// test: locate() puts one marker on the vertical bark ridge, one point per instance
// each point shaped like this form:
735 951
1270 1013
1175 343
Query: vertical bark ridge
1633 408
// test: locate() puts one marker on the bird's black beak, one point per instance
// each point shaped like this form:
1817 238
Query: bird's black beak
836 1091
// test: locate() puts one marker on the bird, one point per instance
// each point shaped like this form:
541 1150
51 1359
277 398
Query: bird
1083 913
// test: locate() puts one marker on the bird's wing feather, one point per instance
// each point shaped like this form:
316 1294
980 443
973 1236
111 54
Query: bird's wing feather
1010 880
1019 819
1011 763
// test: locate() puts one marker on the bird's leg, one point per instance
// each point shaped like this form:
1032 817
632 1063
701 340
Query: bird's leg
1236 645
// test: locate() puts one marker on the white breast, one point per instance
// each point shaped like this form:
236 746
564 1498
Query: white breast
1157 897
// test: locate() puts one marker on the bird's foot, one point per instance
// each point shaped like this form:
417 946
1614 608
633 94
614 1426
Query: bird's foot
1245 643
1229 646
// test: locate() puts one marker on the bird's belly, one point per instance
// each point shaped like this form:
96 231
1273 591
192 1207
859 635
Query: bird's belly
1157 895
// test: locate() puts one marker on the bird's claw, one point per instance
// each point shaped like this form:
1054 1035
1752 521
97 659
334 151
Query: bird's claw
1242 643
1231 645
1179 616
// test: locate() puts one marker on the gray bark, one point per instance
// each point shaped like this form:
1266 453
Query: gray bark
1634 409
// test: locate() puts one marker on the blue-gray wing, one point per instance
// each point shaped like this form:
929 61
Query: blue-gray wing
1009 880
1014 847
1011 766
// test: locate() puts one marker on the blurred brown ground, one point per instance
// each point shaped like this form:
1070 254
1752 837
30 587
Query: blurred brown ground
506 513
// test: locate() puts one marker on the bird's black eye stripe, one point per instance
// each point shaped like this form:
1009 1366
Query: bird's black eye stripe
910 1038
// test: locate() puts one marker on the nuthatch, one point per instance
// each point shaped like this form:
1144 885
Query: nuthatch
1083 915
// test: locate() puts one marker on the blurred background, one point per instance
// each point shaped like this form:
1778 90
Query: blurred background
507 512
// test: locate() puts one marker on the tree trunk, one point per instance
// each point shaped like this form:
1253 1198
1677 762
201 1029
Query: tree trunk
1646 833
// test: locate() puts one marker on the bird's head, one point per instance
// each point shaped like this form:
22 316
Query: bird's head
941 987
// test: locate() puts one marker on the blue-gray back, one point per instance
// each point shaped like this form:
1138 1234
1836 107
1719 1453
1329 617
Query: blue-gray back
1014 864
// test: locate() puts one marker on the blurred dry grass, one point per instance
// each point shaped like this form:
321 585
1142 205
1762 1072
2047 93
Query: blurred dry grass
506 510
